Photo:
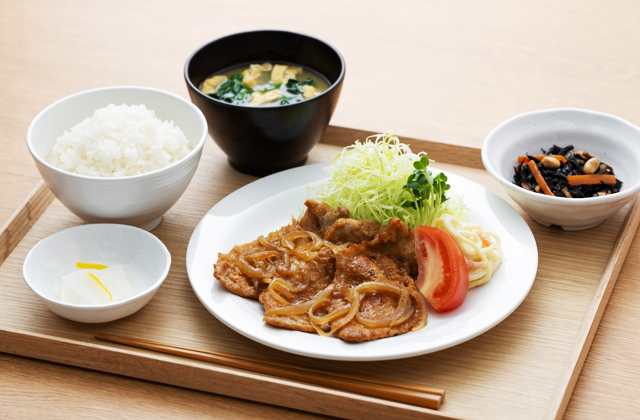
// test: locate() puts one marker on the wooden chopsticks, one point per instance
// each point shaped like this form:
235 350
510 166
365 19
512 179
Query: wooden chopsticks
423 396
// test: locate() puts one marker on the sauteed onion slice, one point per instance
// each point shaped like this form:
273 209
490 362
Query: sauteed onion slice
300 308
319 320
284 266
266 242
255 255
306 251
283 287
246 268
422 307
354 303
398 316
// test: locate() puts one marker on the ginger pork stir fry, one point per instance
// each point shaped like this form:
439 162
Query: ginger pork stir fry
329 274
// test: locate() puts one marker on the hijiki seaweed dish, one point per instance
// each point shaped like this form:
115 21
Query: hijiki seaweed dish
563 172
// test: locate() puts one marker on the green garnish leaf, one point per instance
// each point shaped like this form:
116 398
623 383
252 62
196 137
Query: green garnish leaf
424 193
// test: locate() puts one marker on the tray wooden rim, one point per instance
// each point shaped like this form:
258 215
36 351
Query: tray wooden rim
216 379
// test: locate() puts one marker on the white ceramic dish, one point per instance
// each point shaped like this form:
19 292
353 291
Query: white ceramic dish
139 252
269 203
138 200
607 137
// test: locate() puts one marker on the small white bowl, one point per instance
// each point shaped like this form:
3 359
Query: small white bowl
139 252
138 200
607 137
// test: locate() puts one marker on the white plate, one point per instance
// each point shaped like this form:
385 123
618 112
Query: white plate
269 203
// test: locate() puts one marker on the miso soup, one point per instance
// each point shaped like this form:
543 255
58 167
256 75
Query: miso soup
265 84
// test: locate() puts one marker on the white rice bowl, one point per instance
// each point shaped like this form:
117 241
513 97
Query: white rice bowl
119 140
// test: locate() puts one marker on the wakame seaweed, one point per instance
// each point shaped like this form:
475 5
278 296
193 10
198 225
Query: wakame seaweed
295 86
232 89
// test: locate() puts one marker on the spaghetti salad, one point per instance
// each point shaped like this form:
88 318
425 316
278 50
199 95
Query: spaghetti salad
480 248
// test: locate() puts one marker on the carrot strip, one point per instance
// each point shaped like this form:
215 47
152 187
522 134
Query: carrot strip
591 179
539 179
485 240
525 159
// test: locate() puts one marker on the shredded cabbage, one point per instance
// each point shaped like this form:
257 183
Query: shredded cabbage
368 178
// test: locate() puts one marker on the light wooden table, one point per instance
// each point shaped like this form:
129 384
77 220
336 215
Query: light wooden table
437 70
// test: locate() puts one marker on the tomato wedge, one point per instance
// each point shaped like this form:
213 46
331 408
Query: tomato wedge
442 269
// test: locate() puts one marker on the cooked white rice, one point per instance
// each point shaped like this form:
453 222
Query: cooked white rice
119 141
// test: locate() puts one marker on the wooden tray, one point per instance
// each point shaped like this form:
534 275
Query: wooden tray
524 368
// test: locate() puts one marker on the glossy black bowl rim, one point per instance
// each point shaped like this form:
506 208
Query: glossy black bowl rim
223 103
